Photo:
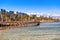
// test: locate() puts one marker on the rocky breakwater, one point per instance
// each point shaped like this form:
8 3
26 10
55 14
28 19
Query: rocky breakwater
19 23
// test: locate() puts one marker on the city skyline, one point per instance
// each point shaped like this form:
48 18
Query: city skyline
38 7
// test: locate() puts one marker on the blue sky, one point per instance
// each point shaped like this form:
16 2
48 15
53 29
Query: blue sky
39 7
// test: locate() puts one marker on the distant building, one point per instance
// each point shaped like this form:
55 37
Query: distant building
22 14
11 12
33 16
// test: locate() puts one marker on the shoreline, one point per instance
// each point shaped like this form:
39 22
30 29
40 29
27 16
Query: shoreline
18 24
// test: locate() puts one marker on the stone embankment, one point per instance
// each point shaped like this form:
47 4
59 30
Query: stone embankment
17 23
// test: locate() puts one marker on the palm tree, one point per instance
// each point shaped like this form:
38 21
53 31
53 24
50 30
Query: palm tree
2 16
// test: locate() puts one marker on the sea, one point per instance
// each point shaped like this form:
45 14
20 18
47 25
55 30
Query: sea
45 31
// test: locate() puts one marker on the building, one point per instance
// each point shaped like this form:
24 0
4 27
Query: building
22 14
11 12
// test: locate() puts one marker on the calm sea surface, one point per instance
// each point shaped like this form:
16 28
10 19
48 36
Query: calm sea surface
46 31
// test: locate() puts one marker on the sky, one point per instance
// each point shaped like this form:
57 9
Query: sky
38 7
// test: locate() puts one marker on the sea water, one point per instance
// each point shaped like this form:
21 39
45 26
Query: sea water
45 31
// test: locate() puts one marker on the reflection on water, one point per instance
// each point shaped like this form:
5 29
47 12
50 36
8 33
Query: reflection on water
46 31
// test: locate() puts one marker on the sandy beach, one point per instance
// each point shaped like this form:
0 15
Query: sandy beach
19 34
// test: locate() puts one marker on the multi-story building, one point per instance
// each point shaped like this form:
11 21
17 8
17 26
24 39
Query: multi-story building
11 12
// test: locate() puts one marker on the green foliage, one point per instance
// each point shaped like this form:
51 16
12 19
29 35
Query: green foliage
19 17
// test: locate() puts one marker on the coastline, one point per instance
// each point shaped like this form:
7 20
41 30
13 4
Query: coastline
17 24
32 33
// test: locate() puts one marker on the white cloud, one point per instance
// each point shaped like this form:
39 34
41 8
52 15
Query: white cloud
55 14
